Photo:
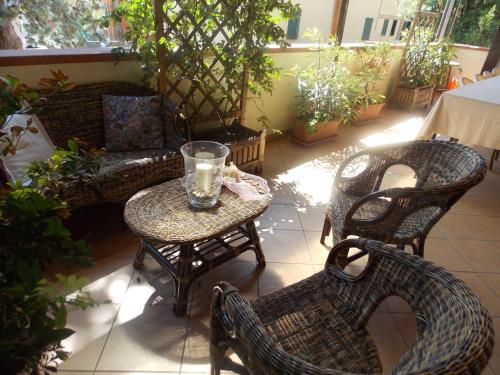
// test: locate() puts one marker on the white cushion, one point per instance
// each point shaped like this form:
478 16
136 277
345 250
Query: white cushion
32 147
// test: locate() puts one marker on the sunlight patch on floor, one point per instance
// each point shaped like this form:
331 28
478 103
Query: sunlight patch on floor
401 132
312 181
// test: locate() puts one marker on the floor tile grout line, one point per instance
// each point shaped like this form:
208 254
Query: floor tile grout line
112 325
309 250
398 328
488 287
459 254
463 258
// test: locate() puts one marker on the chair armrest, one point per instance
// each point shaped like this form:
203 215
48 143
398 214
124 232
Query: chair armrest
365 182
234 324
364 292
404 203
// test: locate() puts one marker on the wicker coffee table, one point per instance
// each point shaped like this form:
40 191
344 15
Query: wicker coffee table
189 242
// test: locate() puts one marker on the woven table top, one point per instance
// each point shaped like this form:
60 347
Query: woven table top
163 213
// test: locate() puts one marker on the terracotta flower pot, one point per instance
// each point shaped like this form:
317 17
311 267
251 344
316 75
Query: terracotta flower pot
371 112
324 131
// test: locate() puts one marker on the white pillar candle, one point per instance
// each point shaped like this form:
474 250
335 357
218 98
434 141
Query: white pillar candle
204 177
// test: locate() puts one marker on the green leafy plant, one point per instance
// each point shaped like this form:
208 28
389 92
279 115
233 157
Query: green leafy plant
34 309
65 166
250 26
33 235
372 65
428 59
327 89
441 53
17 98
140 33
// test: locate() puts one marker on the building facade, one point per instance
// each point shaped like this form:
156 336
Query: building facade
375 20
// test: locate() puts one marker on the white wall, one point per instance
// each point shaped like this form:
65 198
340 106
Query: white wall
379 10
279 106
315 13
471 60
79 72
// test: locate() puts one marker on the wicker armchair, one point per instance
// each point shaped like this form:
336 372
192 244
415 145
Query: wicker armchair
317 326
401 216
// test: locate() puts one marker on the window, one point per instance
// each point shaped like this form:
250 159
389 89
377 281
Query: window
393 27
384 27
292 31
367 28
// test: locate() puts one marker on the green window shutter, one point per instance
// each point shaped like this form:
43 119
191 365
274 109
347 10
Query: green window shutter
384 27
367 28
393 27
292 31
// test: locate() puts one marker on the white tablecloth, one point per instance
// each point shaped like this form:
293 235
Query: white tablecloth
470 113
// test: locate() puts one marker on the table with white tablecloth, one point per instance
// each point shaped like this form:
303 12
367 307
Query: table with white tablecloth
470 113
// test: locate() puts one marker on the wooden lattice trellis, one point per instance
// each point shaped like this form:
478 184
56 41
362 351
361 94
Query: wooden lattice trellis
198 50
421 33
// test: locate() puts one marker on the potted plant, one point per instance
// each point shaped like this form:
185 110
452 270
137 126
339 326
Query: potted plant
328 93
422 64
372 66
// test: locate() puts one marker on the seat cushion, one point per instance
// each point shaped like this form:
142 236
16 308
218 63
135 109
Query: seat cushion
33 146
118 162
132 123
309 320
123 174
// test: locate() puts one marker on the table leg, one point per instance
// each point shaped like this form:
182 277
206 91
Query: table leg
184 269
254 236
139 257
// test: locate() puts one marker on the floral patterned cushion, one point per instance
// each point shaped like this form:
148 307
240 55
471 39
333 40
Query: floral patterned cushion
132 122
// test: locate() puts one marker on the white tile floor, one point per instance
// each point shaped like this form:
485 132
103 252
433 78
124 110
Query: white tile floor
134 331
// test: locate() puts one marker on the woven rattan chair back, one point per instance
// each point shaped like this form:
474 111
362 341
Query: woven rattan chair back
78 112
454 330
437 164
462 81
444 171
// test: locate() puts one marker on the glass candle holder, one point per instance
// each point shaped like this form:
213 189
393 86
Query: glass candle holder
204 163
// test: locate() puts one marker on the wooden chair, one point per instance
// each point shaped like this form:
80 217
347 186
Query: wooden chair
487 74
401 216
318 325
479 77
462 81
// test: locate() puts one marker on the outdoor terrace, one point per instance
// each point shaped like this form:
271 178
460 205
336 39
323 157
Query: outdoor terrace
134 331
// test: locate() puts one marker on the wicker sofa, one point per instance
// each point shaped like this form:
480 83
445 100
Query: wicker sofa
78 113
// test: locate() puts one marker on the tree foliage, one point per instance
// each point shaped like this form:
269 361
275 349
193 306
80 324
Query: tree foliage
476 22
408 8
55 23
